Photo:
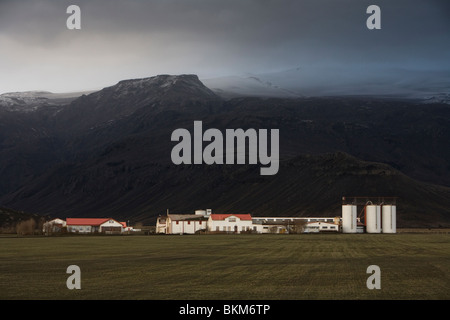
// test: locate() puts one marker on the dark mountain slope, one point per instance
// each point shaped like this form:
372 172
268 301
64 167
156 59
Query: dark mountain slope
305 186
156 94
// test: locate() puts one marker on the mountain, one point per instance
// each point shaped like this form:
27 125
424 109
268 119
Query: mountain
320 81
250 86
30 101
107 153
155 94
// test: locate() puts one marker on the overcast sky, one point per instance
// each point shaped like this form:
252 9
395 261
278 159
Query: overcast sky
136 38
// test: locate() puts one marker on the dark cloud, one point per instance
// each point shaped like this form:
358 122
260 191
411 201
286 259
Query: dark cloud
134 38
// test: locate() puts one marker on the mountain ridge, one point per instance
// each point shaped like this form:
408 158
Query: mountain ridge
159 93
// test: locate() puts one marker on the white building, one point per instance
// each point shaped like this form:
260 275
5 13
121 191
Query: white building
321 227
161 225
93 225
230 223
182 224
295 224
204 220
53 226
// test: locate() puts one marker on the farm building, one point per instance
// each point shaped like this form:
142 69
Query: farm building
183 223
321 227
295 224
94 225
53 226
369 214
205 220
161 224
230 223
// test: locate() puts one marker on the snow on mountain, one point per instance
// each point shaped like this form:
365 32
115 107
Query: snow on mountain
438 98
336 81
249 85
140 92
161 93
29 101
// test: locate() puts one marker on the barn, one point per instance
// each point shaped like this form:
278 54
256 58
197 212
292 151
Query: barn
185 223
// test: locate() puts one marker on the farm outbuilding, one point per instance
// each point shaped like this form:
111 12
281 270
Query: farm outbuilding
295 224
93 225
374 215
53 226
203 220
183 223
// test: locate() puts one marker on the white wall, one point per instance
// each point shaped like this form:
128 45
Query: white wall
230 224
111 223
187 227
80 229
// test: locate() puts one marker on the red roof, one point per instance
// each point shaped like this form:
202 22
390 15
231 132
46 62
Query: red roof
86 221
246 216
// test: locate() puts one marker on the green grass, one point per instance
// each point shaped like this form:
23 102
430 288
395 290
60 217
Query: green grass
273 267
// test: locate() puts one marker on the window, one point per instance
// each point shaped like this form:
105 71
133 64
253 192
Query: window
217 228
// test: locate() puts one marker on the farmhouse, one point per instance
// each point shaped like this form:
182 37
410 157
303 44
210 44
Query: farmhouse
235 223
203 220
94 225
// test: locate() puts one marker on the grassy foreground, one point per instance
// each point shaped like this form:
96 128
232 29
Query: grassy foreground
271 267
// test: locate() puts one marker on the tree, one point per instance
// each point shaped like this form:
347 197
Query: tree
297 226
26 227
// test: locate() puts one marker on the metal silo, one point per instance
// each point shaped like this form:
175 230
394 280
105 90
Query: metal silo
389 219
373 219
349 218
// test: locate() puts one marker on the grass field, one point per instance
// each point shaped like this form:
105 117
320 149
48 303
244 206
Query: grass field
273 267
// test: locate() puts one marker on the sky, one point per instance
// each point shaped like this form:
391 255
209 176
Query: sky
135 38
